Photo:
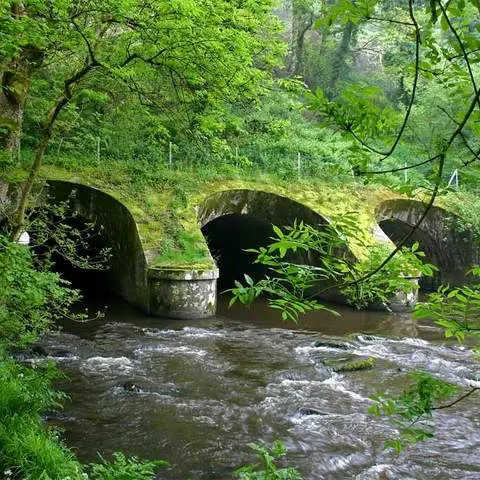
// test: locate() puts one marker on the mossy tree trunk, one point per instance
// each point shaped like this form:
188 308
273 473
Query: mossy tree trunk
340 56
12 102
303 19
14 82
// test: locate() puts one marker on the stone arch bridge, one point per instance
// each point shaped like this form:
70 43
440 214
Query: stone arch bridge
229 219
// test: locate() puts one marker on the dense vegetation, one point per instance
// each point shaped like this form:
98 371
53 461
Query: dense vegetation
384 92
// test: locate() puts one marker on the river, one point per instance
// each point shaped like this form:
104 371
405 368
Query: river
195 393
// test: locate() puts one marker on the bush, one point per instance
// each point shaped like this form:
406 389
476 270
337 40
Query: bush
30 299
123 468
267 470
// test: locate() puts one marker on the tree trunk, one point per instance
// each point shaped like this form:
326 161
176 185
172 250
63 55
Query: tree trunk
340 56
14 86
302 21
14 82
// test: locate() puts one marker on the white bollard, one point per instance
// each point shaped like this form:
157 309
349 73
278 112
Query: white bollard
24 239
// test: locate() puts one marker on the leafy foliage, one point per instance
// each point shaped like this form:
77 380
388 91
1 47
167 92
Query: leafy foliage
400 274
411 411
123 468
456 310
305 262
30 299
56 229
268 470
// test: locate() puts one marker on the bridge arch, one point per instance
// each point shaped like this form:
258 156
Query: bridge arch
127 275
452 249
234 220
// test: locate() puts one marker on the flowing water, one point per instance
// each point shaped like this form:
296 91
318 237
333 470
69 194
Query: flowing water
196 393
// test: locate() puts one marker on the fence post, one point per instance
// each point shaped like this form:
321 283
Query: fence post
299 163
98 149
59 147
405 173
170 155
454 179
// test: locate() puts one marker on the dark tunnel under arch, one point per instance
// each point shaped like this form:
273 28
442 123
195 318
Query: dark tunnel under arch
126 275
453 250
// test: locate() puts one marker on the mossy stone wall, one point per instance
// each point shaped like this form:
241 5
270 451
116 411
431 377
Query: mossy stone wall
452 249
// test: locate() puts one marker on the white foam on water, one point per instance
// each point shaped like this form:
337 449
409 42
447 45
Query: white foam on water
40 360
338 463
335 383
312 420
306 350
472 383
102 364
287 382
63 358
170 350
375 472
415 342
378 350
324 348
447 366
158 333
202 332
203 419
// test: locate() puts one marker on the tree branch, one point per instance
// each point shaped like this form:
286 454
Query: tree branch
46 134
389 20
462 48
459 399
399 169
400 133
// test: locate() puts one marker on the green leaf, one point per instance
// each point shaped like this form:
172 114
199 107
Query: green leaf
278 231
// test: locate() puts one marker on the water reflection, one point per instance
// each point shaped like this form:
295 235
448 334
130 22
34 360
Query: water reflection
349 321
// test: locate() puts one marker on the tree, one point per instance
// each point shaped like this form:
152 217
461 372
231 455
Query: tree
193 50
303 14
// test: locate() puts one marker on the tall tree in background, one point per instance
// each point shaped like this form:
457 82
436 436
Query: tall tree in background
304 14
339 56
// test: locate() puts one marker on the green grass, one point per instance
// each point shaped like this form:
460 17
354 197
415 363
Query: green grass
28 449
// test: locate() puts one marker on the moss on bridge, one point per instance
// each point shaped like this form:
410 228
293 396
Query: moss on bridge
163 203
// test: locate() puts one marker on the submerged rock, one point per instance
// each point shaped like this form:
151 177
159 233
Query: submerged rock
39 350
56 417
349 364
331 344
366 337
307 411
131 387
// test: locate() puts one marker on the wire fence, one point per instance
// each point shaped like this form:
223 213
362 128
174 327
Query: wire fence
281 162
